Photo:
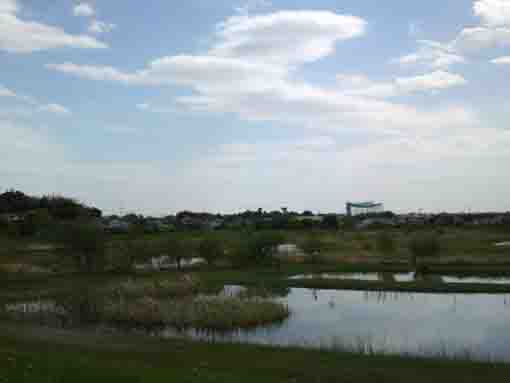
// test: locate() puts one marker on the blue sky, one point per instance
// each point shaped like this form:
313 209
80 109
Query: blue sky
231 105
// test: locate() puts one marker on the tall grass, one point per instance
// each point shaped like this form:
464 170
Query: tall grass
184 286
211 313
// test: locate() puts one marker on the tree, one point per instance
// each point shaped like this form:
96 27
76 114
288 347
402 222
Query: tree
423 245
330 221
87 244
385 243
211 249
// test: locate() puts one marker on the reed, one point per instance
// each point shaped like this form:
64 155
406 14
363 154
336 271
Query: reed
211 313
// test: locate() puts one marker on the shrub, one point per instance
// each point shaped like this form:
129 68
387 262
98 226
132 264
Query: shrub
424 245
313 246
211 249
262 246
385 243
87 244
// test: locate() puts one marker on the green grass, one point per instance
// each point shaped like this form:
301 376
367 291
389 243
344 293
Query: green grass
65 358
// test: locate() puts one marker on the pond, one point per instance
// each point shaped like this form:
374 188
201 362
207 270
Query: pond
424 324
405 277
415 323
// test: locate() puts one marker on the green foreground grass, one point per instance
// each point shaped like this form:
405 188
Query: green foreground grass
68 357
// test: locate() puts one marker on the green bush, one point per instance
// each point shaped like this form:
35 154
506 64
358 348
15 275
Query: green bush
86 243
262 246
385 243
211 249
424 245
313 246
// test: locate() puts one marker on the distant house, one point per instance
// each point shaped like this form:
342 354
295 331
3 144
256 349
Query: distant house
310 218
214 224
376 221
117 226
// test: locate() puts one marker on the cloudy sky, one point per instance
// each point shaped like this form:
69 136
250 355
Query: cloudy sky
160 106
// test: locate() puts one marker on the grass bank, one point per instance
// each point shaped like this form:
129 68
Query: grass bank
42 356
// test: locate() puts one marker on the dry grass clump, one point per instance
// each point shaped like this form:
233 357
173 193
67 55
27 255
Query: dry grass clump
213 313
184 286
23 268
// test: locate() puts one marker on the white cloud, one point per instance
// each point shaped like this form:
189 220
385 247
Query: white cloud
493 12
97 26
492 32
8 6
478 38
84 9
4 92
55 109
251 67
91 72
33 104
198 71
505 60
429 82
285 37
19 36
432 54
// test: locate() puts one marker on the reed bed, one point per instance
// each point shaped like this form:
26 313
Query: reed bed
211 313
186 285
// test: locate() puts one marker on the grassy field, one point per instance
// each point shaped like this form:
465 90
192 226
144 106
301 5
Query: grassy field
458 245
40 356
28 354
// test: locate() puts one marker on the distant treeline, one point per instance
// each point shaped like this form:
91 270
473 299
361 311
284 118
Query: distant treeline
58 207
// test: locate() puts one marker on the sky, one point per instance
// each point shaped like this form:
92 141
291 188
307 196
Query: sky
160 106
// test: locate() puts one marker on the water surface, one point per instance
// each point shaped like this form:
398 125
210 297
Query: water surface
417 323
405 277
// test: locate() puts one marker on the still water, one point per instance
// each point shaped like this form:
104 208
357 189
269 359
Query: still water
405 323
405 277
416 323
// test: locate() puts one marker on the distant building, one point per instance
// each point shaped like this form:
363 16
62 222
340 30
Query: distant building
355 208
117 226
312 218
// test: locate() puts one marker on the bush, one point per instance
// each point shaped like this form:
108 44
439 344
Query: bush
87 244
313 246
385 243
262 246
211 249
424 245
126 253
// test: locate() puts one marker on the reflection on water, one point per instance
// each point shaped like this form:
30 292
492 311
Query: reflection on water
396 322
405 277
385 321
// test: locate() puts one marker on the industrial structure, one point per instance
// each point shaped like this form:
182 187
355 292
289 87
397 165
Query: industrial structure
356 208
